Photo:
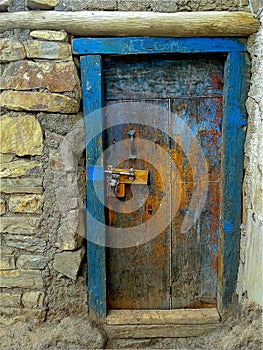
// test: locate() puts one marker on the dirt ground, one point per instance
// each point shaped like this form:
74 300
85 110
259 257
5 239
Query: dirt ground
75 332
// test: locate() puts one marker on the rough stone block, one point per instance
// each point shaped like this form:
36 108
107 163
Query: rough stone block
7 262
10 300
136 5
21 279
11 50
177 5
69 237
32 300
20 135
20 168
29 243
6 250
11 316
48 50
49 35
31 262
69 263
19 225
2 206
26 204
5 158
4 5
38 101
90 5
42 4
53 139
99 5
28 75
27 185
66 194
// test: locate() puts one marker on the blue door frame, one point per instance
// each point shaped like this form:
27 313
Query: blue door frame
233 135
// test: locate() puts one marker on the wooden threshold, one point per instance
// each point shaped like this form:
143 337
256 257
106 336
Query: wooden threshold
178 323
178 316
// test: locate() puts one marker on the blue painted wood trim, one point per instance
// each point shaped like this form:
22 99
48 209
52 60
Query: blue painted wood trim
137 45
91 72
236 82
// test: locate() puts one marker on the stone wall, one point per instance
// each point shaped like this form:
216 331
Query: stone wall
42 265
126 5
250 272
40 103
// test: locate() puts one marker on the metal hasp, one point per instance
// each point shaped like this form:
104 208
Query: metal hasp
117 179
114 171
114 187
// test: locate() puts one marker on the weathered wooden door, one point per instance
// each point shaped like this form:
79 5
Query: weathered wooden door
177 268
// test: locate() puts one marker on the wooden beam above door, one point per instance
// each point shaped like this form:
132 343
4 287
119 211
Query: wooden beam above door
116 23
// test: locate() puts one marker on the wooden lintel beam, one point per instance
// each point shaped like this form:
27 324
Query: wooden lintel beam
116 23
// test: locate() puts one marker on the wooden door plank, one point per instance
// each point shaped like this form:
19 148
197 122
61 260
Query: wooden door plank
236 82
138 277
136 45
195 252
91 71
150 317
194 77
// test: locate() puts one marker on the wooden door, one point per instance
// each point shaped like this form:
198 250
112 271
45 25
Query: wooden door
175 269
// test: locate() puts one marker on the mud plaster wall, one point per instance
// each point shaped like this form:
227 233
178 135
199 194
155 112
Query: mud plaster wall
37 240
251 262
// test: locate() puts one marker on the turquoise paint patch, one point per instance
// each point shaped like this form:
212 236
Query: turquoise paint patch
228 227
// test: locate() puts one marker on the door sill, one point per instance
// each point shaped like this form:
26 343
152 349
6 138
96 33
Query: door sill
161 323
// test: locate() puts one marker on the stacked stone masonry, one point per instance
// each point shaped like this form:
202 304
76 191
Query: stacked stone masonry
125 5
38 78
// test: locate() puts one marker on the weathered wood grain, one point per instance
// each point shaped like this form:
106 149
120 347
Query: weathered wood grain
192 90
158 331
195 253
182 24
236 83
150 317
194 77
149 45
138 277
91 71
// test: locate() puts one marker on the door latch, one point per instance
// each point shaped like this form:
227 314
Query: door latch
113 171
117 179
113 178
